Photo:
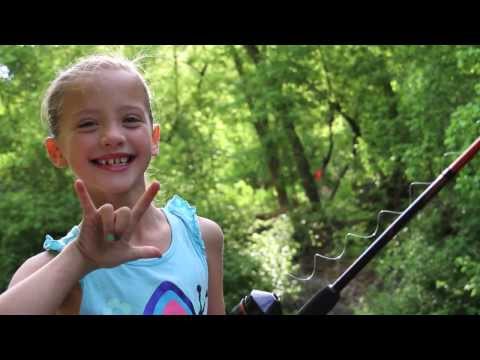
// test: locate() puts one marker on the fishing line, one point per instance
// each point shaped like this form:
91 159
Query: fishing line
380 214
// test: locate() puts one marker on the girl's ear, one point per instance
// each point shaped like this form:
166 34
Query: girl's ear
155 139
54 152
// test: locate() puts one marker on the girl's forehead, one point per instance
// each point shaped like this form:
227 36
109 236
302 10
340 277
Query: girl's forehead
107 79
105 87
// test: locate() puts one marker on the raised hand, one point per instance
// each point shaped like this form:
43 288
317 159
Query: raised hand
105 233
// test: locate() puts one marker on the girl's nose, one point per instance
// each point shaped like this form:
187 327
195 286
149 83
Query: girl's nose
112 136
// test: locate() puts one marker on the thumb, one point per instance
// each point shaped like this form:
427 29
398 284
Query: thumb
145 252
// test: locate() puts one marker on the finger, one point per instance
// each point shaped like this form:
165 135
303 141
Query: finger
122 219
85 200
106 214
144 202
144 252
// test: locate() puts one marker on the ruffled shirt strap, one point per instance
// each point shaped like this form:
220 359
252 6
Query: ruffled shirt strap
52 245
188 214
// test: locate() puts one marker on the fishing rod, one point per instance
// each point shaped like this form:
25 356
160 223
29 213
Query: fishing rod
323 301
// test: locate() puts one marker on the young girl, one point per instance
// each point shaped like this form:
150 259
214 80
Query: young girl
126 256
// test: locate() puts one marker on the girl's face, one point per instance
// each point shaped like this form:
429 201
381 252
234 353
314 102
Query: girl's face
105 135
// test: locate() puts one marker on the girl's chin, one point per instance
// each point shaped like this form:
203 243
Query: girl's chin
114 187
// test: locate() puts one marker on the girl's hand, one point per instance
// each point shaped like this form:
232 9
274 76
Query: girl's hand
105 234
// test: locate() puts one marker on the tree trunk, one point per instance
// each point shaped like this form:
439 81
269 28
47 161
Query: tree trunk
301 161
269 146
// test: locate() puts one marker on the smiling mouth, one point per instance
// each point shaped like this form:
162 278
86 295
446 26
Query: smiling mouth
118 163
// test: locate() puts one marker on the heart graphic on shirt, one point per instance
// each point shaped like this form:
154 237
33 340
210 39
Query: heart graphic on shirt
169 299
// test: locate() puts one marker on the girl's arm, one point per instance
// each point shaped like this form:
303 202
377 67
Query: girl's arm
213 236
42 283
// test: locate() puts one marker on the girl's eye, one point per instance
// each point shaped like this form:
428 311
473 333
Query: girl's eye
132 120
86 124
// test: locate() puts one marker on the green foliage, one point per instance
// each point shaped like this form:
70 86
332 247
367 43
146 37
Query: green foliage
272 246
423 273
433 271
263 261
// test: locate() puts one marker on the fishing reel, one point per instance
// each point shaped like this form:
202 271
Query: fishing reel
258 303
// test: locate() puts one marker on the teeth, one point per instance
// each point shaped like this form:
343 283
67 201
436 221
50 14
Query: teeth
116 161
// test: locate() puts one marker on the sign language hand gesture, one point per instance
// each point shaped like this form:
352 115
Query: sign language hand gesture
105 233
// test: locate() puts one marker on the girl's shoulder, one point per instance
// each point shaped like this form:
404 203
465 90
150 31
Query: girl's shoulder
212 234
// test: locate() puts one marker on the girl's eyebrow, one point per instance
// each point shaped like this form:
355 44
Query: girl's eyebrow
130 107
86 112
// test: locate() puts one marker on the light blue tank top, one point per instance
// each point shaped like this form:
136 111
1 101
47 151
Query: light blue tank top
174 284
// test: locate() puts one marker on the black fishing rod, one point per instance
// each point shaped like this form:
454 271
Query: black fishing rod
322 302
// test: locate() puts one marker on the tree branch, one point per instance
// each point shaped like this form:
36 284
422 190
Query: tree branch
328 156
339 180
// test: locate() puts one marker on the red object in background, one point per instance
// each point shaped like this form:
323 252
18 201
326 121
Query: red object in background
318 174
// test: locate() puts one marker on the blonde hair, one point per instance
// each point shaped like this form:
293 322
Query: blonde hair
51 108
